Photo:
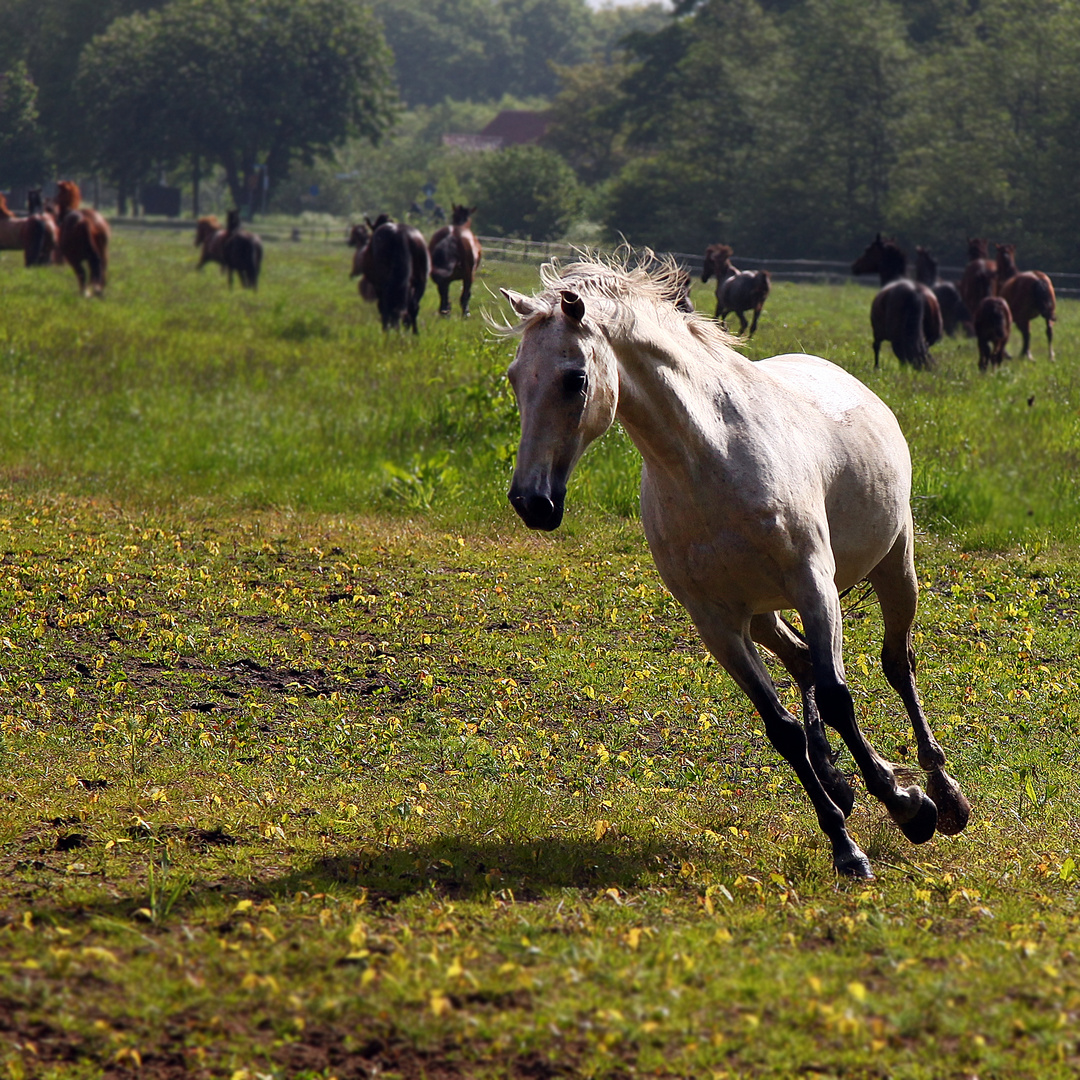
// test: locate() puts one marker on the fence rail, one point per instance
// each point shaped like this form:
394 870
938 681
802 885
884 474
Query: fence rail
510 249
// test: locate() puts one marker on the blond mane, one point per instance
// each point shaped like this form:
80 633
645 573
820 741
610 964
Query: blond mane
650 287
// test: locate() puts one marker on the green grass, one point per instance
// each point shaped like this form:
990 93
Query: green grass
314 767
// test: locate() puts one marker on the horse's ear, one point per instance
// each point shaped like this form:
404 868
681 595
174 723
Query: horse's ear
472 210
573 306
523 305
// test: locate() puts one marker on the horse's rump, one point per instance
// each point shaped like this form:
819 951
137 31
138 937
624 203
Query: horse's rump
445 252
933 323
41 239
954 312
1030 294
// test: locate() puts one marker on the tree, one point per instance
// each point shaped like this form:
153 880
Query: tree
526 191
22 146
252 85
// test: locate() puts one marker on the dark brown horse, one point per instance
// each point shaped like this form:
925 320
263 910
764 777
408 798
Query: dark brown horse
904 313
359 238
35 235
954 312
210 237
455 256
84 238
978 279
241 252
395 264
736 290
1030 295
993 322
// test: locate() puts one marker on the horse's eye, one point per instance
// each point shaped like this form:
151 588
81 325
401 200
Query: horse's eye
574 383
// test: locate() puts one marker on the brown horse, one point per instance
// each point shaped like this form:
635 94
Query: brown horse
395 265
904 313
35 236
84 238
359 238
993 322
954 311
241 252
979 275
455 256
210 237
1030 295
736 290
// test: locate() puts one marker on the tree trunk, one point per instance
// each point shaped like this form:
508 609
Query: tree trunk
196 176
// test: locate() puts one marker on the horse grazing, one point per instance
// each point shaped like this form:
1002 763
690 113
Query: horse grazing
83 238
455 256
904 313
35 235
954 311
241 252
736 290
993 322
210 237
766 486
395 265
1030 295
979 277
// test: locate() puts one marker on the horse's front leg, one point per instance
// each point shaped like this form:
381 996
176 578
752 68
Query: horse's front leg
734 649
780 638
897 589
819 606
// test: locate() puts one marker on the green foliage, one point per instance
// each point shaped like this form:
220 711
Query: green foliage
237 83
22 147
525 191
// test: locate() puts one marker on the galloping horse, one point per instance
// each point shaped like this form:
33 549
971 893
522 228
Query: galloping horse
210 237
954 311
978 279
35 235
736 290
993 323
904 313
455 256
84 238
241 252
765 486
1030 295
395 266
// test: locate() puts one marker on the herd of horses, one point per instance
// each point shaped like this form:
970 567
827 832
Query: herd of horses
393 262
991 297
60 230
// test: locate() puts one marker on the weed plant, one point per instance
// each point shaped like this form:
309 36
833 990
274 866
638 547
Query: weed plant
316 763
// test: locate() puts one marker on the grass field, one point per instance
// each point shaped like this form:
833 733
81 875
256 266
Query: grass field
317 764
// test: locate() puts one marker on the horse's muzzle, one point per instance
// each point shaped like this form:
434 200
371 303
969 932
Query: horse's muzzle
537 510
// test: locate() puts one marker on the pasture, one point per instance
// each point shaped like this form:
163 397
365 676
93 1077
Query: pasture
317 763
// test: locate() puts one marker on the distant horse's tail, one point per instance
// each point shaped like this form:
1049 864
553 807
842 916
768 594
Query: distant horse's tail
909 339
1042 293
254 262
97 251
444 261
396 259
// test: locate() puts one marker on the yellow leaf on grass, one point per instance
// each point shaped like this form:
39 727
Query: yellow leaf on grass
95 952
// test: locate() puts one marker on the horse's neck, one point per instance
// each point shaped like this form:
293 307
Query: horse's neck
925 270
1006 267
670 385
893 266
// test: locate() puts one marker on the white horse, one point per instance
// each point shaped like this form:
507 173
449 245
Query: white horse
765 486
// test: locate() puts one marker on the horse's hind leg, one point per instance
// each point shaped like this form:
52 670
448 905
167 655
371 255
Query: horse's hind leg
737 654
1025 330
781 638
742 323
897 589
444 297
466 294
819 605
757 315
1050 337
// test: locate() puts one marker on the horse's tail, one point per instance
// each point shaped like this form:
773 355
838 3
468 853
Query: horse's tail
762 285
445 257
395 257
97 250
909 338
1042 292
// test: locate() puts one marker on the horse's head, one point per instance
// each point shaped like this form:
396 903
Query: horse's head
925 266
382 219
68 196
882 256
205 227
359 235
977 248
717 256
232 221
33 201
1006 261
566 381
462 215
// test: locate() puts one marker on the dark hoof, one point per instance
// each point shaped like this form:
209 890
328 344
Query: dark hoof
922 826
854 865
953 809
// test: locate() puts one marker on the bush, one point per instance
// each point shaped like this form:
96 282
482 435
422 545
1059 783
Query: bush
526 191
